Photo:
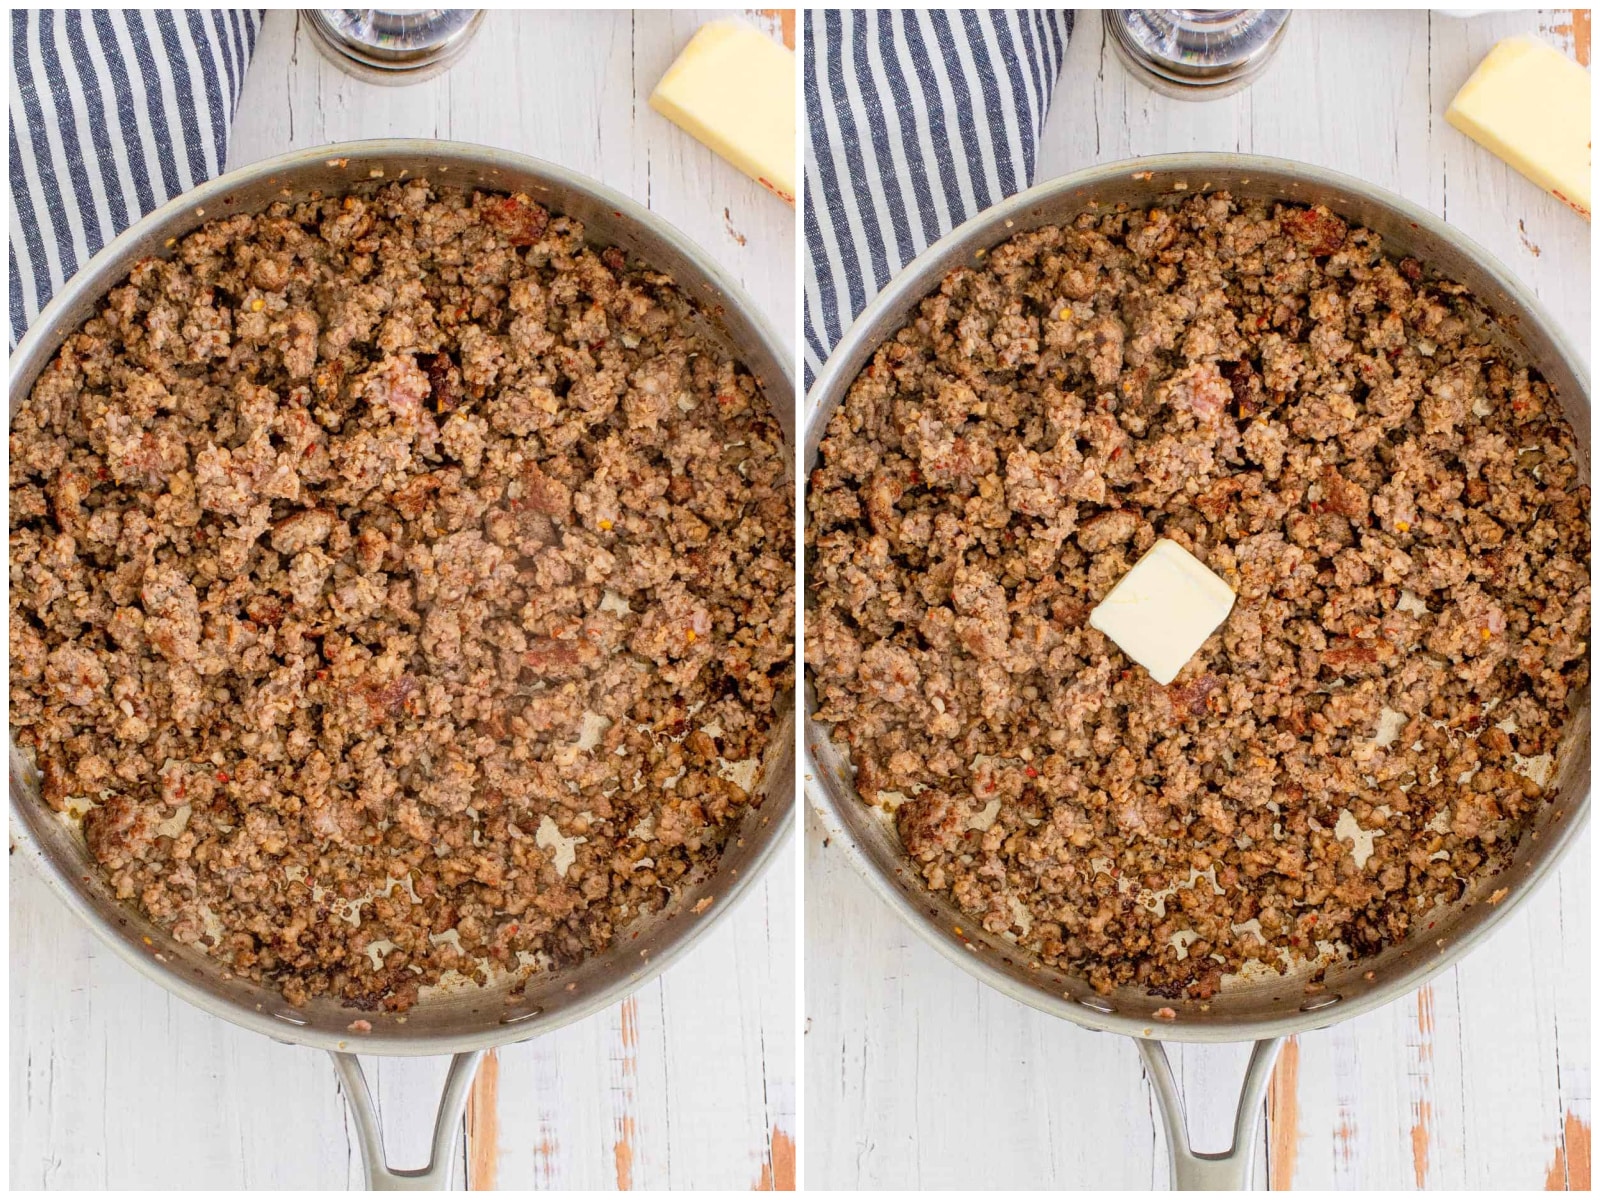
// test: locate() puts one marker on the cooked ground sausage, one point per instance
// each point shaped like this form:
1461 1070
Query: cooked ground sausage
1394 496
402 580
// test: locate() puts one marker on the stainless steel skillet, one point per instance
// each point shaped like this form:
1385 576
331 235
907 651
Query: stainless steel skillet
462 1023
1263 1011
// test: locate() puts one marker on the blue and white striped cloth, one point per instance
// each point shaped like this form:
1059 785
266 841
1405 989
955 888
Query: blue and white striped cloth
916 120
112 114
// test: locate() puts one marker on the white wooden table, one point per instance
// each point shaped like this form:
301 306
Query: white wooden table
689 1084
918 1076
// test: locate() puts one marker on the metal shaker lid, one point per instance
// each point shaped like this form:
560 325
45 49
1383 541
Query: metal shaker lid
392 45
1196 53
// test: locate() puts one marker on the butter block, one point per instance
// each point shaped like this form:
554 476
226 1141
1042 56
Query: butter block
1529 104
1164 609
733 88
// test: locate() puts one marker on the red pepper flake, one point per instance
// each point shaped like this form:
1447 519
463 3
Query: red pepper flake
222 777
1030 772
1116 454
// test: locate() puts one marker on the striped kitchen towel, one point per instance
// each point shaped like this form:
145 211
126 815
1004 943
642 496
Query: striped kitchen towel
916 121
112 114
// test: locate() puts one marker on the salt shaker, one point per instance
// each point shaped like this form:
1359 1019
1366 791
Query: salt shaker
392 45
1196 53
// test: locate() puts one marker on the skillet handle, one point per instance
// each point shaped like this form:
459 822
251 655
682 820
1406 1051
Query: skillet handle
1230 1170
435 1176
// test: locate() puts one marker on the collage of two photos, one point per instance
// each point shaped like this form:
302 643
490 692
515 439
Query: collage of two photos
824 599
402 603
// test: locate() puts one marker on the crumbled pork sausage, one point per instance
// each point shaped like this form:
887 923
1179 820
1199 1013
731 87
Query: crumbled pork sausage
373 562
1389 489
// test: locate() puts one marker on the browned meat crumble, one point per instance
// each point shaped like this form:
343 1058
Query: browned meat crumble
1395 498
406 586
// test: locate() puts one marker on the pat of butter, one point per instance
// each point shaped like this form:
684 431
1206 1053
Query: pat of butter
1529 103
733 89
1164 609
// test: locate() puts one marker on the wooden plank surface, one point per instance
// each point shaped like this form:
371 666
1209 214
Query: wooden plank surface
918 1076
688 1084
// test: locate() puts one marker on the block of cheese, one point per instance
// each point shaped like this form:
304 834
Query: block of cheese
1529 103
1164 609
733 88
